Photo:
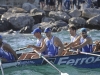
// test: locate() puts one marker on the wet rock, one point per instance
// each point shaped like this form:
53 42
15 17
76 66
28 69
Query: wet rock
90 12
28 6
10 31
94 20
2 10
47 19
36 10
18 20
37 18
26 29
59 15
64 28
77 21
75 13
16 10
54 29
43 25
59 23
54 26
37 14
4 25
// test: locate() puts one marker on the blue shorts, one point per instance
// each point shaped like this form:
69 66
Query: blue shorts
6 55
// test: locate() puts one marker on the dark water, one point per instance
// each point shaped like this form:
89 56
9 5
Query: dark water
20 40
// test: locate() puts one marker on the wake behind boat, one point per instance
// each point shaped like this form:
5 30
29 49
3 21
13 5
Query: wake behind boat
79 61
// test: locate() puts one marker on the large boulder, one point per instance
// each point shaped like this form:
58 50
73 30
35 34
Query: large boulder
47 19
94 20
75 13
2 11
43 25
59 23
16 10
90 12
4 26
36 10
18 20
77 21
28 6
59 15
37 14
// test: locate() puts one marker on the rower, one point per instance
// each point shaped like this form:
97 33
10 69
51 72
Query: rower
86 43
7 54
37 33
72 30
52 44
96 47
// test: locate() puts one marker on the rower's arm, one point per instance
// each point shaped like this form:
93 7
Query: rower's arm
43 47
76 41
9 49
87 41
60 45
36 47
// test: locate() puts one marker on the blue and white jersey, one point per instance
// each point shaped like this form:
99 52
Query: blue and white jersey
86 48
7 55
73 38
39 43
51 48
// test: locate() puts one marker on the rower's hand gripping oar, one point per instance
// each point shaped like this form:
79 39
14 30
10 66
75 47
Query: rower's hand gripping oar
50 63
21 49
1 67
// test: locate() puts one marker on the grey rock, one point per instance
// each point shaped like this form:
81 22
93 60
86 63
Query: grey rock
47 19
59 15
28 6
43 25
90 12
4 25
94 20
77 21
59 23
36 10
2 10
75 13
26 29
18 20
10 31
16 10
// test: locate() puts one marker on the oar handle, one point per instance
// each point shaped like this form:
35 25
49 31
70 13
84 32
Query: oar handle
21 49
85 53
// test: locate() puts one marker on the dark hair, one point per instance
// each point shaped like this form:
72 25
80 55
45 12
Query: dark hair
72 27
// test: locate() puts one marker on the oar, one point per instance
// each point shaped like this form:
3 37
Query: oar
50 63
21 49
85 53
1 67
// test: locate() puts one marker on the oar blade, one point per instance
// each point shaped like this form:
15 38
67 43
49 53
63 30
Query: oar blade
64 74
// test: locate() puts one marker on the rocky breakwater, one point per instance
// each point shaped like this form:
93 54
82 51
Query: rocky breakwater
29 17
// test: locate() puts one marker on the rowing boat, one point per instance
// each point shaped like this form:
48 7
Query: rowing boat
79 60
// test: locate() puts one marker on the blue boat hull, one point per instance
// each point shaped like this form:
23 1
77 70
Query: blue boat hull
80 61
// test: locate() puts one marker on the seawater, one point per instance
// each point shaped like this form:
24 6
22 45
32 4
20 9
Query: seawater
17 41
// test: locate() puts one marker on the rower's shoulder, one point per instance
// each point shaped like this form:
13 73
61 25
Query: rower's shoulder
56 38
6 44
